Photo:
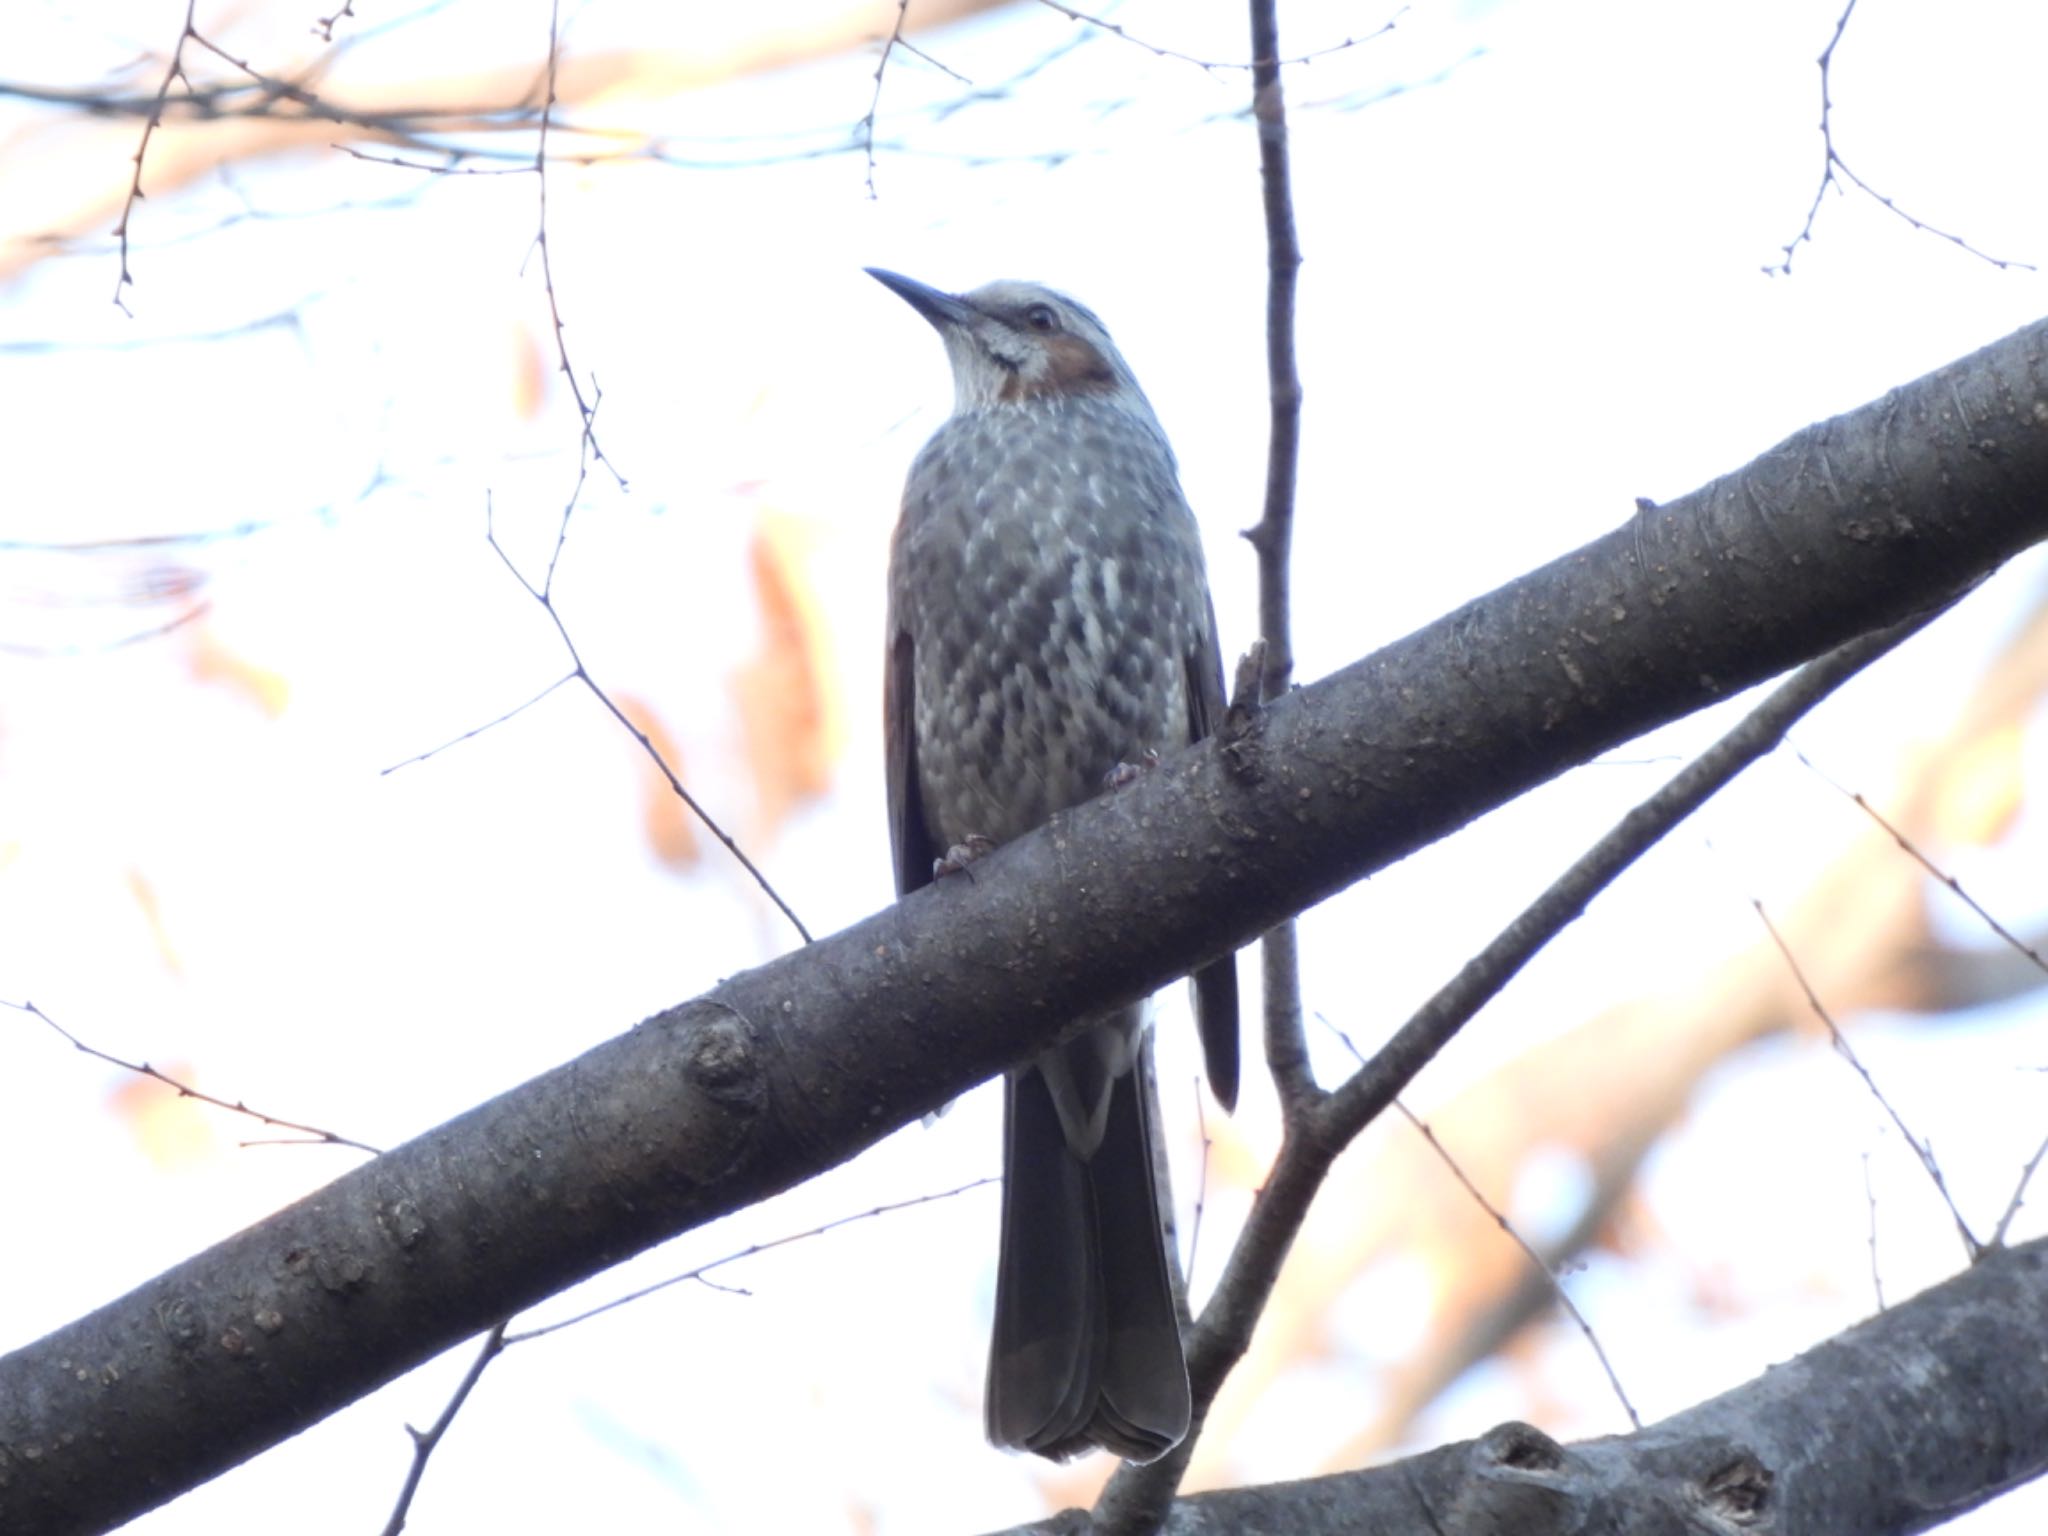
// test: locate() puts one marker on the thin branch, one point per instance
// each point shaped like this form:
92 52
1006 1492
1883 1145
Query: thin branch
1549 1274
2019 1196
499 1339
938 63
427 130
1266 58
426 1442
312 1135
274 89
1971 1246
452 167
323 26
1137 1497
175 70
588 451
866 127
456 741
261 96
1835 170
1906 845
544 595
1870 1202
1500 1220
587 409
703 1270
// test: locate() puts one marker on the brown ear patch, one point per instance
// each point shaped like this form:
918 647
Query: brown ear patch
1076 367
1072 367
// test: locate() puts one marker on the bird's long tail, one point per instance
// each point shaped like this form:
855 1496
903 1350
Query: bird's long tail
1086 1348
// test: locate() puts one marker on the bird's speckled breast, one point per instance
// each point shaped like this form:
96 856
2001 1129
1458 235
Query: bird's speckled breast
1057 575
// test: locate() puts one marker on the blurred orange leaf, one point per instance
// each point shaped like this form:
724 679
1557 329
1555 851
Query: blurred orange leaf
171 1131
1983 789
787 709
529 373
670 831
214 662
143 889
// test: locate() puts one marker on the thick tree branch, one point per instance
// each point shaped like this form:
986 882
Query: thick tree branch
1896 1426
790 1068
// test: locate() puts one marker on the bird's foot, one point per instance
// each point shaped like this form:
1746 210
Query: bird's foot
963 853
1125 774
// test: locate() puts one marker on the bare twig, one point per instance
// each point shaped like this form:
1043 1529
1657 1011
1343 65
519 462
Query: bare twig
500 1339
323 26
586 408
261 97
753 1249
1834 171
543 592
865 129
1906 845
425 1442
312 1135
450 167
2019 1196
1921 1149
544 595
273 88
1260 59
936 63
175 70
1500 1220
1549 1274
456 741
451 134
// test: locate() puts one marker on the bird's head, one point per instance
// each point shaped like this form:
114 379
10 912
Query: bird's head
1015 343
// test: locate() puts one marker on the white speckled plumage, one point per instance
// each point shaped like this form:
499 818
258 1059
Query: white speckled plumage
1049 621
1054 610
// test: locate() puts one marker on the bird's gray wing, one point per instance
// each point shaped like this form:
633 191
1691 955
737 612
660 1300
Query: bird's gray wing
909 835
1216 982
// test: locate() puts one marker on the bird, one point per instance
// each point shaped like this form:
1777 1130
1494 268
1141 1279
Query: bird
1050 633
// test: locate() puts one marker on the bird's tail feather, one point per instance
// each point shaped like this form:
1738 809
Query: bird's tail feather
1086 1348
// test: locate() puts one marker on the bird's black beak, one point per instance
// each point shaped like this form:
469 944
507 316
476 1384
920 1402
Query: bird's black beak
942 309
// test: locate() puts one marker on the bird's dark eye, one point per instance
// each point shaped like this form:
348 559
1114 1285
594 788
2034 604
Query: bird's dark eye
1040 317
